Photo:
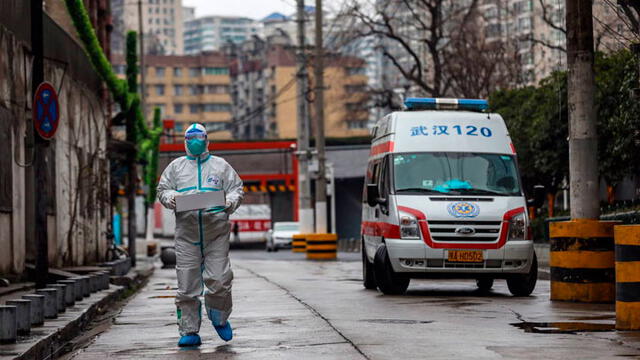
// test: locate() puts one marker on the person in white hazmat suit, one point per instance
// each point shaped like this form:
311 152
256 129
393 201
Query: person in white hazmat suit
201 236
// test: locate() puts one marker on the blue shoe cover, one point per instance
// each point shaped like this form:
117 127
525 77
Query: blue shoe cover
190 340
224 331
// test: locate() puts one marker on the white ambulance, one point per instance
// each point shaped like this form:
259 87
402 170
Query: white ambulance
443 199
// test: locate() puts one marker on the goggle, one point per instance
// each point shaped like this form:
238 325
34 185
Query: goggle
195 135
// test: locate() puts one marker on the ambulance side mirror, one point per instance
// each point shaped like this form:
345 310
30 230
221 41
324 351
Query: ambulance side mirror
372 194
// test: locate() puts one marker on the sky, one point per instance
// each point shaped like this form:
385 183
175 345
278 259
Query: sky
256 9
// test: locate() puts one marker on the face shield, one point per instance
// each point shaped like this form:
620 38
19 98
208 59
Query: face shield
196 139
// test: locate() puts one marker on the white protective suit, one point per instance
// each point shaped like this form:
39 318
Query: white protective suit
201 238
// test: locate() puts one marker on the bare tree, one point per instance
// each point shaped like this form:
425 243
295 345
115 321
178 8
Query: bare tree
614 22
434 47
477 63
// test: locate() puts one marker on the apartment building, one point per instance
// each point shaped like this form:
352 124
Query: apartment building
278 24
188 89
210 33
537 30
162 23
264 92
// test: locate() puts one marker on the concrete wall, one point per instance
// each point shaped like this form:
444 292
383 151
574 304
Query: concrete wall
79 173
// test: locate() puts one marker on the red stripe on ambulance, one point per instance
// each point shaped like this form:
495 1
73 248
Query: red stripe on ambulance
383 148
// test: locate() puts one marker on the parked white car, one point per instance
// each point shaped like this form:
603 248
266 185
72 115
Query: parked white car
281 235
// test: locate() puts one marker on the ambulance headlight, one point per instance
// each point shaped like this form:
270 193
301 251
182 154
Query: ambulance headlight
517 227
409 226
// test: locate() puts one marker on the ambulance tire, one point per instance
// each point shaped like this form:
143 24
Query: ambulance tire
368 277
524 284
388 281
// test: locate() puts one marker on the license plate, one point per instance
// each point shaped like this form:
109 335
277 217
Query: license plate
465 256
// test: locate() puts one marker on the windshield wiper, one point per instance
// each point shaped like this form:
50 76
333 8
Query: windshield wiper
421 190
479 192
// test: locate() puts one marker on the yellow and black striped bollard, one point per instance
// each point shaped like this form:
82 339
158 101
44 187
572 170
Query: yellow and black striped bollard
322 246
582 261
299 243
627 238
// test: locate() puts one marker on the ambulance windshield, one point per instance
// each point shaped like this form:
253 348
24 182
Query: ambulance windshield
456 174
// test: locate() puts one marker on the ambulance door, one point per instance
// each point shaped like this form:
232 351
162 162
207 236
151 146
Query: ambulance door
383 212
370 226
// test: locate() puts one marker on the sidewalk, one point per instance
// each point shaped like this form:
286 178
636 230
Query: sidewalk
268 323
49 340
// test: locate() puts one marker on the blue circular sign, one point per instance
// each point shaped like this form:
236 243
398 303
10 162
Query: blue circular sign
46 111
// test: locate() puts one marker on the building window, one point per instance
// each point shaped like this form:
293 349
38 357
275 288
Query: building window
216 107
179 127
194 72
177 72
195 89
177 90
159 89
194 108
217 126
357 124
356 106
355 71
216 89
119 69
216 71
162 107
350 89
177 108
160 71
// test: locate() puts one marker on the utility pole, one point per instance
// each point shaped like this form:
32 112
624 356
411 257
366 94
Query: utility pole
131 186
37 184
318 74
143 70
583 136
305 212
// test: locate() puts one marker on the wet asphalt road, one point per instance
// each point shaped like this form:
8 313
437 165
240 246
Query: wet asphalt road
288 308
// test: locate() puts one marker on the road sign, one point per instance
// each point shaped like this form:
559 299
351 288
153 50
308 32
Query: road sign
46 111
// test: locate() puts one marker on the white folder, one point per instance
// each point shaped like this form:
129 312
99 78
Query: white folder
202 200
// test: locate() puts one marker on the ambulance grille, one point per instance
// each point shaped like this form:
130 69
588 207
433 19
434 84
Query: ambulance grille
483 231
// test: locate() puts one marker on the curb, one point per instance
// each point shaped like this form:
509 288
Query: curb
51 344
55 343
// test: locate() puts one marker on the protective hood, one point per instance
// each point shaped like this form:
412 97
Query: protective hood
196 143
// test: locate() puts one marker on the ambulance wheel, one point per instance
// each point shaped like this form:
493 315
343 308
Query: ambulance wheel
388 281
368 277
523 284
484 284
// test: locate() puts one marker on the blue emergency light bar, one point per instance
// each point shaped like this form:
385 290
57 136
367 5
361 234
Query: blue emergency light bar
445 104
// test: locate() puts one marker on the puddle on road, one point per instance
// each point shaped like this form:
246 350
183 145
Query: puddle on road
570 327
397 321
162 297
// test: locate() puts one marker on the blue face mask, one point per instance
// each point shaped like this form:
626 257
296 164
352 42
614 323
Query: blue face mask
196 146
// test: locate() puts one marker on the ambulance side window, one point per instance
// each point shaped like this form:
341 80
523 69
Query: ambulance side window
369 179
383 183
